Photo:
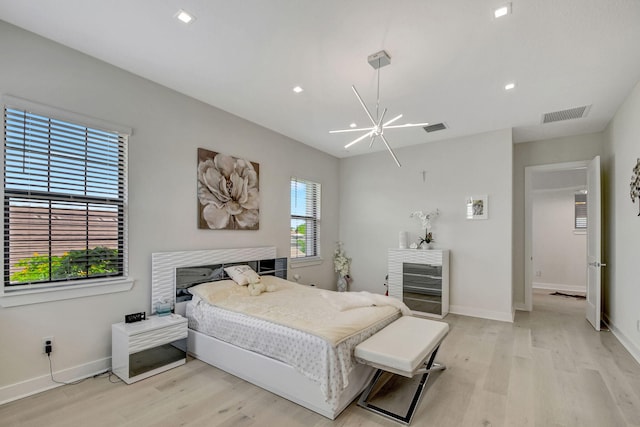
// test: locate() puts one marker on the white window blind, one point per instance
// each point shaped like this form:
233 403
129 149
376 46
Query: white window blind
305 218
64 201
580 203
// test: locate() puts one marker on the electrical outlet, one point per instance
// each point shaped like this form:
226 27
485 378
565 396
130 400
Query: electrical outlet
538 273
45 342
638 325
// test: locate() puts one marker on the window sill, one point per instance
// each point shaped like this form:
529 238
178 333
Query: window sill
579 231
14 298
305 262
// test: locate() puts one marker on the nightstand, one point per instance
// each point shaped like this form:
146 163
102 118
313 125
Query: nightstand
142 349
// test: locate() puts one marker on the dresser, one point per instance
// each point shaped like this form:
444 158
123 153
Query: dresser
420 279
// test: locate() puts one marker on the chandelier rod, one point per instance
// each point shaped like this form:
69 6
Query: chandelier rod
378 93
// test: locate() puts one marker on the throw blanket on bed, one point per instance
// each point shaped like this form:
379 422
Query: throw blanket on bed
300 307
350 300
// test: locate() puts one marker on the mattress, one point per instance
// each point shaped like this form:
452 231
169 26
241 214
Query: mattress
314 357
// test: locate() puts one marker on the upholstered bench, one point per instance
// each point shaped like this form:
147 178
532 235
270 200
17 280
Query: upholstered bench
406 347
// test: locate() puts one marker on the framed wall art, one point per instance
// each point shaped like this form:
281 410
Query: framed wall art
478 207
228 192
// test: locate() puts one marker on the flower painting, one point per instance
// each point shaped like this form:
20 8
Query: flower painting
228 192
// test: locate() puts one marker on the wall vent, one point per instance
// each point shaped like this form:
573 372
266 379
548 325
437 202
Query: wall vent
571 113
435 127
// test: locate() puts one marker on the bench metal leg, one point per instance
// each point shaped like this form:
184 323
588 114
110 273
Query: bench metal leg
405 419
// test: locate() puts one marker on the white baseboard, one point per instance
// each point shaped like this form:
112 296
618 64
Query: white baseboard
624 340
559 287
520 306
36 385
483 314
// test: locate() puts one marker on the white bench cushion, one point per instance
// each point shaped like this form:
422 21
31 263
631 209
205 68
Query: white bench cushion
403 345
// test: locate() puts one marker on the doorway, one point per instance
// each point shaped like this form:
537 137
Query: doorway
555 246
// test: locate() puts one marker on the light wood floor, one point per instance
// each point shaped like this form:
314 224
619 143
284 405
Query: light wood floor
549 368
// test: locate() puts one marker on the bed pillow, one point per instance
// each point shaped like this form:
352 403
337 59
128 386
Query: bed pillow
242 274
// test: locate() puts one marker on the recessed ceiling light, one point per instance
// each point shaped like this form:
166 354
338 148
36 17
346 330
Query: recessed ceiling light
509 86
297 89
184 16
352 125
502 11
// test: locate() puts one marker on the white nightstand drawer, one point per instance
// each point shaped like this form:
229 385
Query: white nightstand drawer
156 337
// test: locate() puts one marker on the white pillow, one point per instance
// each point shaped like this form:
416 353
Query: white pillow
242 274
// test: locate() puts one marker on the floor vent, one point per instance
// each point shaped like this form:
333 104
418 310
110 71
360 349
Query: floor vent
571 113
435 127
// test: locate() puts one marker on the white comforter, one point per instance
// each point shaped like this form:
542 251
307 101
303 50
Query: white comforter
333 316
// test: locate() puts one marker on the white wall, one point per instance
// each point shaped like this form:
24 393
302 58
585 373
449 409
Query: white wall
376 198
561 150
622 224
168 129
559 253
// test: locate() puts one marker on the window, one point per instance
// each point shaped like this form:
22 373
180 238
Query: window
305 219
64 201
580 203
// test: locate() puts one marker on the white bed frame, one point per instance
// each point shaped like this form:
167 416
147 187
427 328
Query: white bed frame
265 372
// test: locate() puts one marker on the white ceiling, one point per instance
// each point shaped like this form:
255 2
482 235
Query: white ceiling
450 59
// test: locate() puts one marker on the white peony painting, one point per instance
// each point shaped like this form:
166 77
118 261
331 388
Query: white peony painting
228 192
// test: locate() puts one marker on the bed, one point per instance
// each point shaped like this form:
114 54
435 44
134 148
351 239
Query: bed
299 364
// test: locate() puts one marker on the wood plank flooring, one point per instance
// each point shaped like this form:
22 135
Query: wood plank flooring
548 368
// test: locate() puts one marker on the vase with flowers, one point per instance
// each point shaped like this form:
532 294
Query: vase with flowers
341 265
425 221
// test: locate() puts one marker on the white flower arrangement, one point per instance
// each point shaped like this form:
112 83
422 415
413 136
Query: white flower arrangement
425 220
341 263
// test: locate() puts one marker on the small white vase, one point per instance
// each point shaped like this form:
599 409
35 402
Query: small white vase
402 240
342 284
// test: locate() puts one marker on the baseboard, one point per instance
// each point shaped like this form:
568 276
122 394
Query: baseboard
36 385
559 287
483 314
520 306
626 342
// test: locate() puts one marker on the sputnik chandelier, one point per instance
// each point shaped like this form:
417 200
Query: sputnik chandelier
378 125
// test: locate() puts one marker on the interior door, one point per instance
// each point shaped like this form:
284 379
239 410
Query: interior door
594 252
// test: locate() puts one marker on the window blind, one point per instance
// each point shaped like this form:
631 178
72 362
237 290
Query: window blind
305 218
580 203
64 200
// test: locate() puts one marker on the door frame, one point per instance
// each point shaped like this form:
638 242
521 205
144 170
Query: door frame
528 219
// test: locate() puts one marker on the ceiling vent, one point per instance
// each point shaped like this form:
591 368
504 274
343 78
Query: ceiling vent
571 113
435 127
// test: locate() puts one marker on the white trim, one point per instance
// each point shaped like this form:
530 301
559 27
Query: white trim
12 392
559 287
624 340
483 314
559 189
36 296
520 307
528 214
65 115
